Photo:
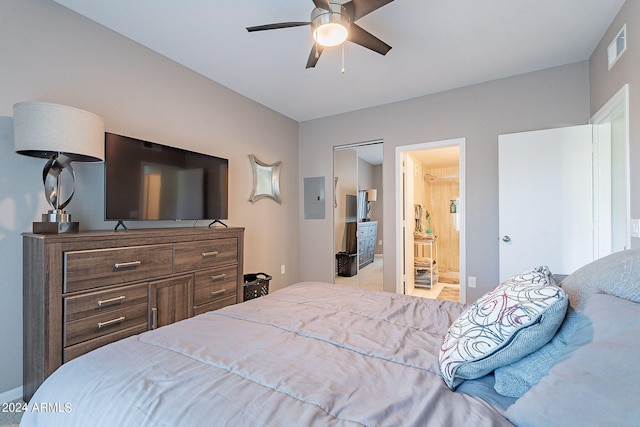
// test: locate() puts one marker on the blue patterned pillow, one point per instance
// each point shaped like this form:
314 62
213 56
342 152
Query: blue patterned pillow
507 323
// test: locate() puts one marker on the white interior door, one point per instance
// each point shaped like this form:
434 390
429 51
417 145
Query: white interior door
545 200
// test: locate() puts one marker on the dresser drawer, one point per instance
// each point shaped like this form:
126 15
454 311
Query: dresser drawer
367 230
205 254
98 302
214 285
103 324
99 267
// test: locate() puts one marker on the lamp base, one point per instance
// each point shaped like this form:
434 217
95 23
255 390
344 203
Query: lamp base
55 227
56 221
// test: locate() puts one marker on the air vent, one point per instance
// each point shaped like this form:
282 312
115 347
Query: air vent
617 46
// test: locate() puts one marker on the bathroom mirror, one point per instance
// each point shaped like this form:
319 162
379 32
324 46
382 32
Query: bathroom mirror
266 180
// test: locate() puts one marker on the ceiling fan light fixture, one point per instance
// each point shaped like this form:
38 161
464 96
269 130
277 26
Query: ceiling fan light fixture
330 34
330 28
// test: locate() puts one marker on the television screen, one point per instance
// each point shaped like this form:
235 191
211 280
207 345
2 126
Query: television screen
149 181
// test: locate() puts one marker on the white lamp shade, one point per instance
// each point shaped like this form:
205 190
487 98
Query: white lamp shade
42 129
372 195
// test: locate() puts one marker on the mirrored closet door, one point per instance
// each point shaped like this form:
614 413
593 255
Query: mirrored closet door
357 216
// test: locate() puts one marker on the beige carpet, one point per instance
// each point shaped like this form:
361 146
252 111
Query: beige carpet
11 419
369 277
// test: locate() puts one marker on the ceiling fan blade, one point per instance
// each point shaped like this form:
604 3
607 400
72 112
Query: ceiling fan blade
359 8
322 4
360 36
313 56
276 26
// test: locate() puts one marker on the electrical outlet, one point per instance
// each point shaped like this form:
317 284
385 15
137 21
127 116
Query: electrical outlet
471 282
379 242
283 269
635 227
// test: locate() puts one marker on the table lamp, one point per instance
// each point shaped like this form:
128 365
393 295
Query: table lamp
372 196
62 135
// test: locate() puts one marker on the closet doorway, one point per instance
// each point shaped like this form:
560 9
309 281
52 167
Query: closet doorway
357 215
431 181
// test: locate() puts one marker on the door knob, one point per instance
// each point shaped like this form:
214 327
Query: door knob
506 239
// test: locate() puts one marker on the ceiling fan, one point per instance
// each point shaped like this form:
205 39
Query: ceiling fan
332 24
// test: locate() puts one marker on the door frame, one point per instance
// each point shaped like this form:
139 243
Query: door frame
602 169
408 201
400 222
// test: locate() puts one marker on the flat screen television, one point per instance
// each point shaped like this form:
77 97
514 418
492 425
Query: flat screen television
146 181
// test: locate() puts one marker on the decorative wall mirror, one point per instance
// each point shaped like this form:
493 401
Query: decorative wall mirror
266 180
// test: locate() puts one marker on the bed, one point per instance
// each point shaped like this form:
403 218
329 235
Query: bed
318 354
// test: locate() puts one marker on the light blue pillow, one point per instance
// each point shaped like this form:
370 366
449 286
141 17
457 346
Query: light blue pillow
616 274
516 379
595 381
507 323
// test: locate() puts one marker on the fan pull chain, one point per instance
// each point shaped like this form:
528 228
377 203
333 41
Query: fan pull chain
342 58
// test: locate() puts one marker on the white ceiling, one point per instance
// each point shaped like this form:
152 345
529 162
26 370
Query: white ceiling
435 158
437 45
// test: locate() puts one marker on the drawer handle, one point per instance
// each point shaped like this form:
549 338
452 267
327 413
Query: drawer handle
154 318
115 300
132 264
110 322
206 254
218 277
218 293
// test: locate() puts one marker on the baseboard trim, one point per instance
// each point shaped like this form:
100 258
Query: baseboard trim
11 395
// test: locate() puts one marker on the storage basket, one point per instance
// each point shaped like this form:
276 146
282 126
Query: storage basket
346 263
256 285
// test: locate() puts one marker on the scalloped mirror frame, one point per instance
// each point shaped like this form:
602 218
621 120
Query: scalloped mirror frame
266 180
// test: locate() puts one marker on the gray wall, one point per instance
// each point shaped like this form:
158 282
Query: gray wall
52 54
605 83
544 99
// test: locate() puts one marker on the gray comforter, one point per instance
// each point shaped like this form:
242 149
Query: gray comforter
312 354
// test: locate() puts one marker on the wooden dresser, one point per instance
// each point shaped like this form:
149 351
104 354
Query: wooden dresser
363 236
84 290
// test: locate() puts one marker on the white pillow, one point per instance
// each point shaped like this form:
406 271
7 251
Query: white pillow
507 323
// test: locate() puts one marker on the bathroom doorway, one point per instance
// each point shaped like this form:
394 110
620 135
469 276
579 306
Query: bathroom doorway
432 227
